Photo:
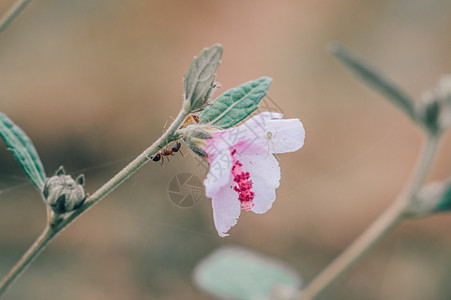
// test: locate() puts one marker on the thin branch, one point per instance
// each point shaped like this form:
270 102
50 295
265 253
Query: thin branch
50 232
378 230
12 13
26 259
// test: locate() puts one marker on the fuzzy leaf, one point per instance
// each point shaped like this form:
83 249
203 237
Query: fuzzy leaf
237 273
200 76
24 151
236 104
375 79
445 200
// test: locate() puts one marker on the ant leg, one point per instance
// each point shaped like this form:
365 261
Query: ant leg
166 123
183 155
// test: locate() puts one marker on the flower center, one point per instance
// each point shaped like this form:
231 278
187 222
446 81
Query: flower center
243 184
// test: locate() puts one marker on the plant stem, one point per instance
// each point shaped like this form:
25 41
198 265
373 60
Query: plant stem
51 231
394 214
26 259
12 13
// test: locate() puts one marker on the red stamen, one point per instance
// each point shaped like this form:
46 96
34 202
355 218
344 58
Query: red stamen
244 184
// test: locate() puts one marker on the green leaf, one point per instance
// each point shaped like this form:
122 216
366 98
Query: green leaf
23 149
237 273
236 104
199 78
375 79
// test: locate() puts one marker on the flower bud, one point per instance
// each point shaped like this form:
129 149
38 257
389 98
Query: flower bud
194 136
64 194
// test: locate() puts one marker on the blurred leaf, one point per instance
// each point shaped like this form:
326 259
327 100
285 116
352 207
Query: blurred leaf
23 149
375 79
237 273
236 104
429 111
444 203
200 76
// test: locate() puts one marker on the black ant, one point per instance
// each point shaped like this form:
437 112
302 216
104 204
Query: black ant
165 152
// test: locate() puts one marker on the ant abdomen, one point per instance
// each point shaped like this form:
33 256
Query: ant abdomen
156 157
176 147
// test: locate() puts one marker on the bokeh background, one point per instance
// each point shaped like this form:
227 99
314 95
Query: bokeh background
93 81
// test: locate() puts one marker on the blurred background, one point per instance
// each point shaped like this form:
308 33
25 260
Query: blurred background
92 82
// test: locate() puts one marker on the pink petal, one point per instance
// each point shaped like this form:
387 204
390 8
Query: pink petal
265 175
226 209
245 133
217 144
219 173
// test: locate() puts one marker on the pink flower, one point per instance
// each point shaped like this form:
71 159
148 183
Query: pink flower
243 173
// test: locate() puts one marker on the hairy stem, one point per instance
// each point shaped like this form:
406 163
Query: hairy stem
12 13
51 231
394 214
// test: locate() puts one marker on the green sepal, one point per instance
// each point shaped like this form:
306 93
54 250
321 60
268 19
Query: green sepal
237 273
236 104
195 145
24 151
199 79
375 79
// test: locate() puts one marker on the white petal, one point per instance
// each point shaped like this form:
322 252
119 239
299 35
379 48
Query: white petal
262 118
219 174
278 136
256 126
226 209
285 135
264 172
